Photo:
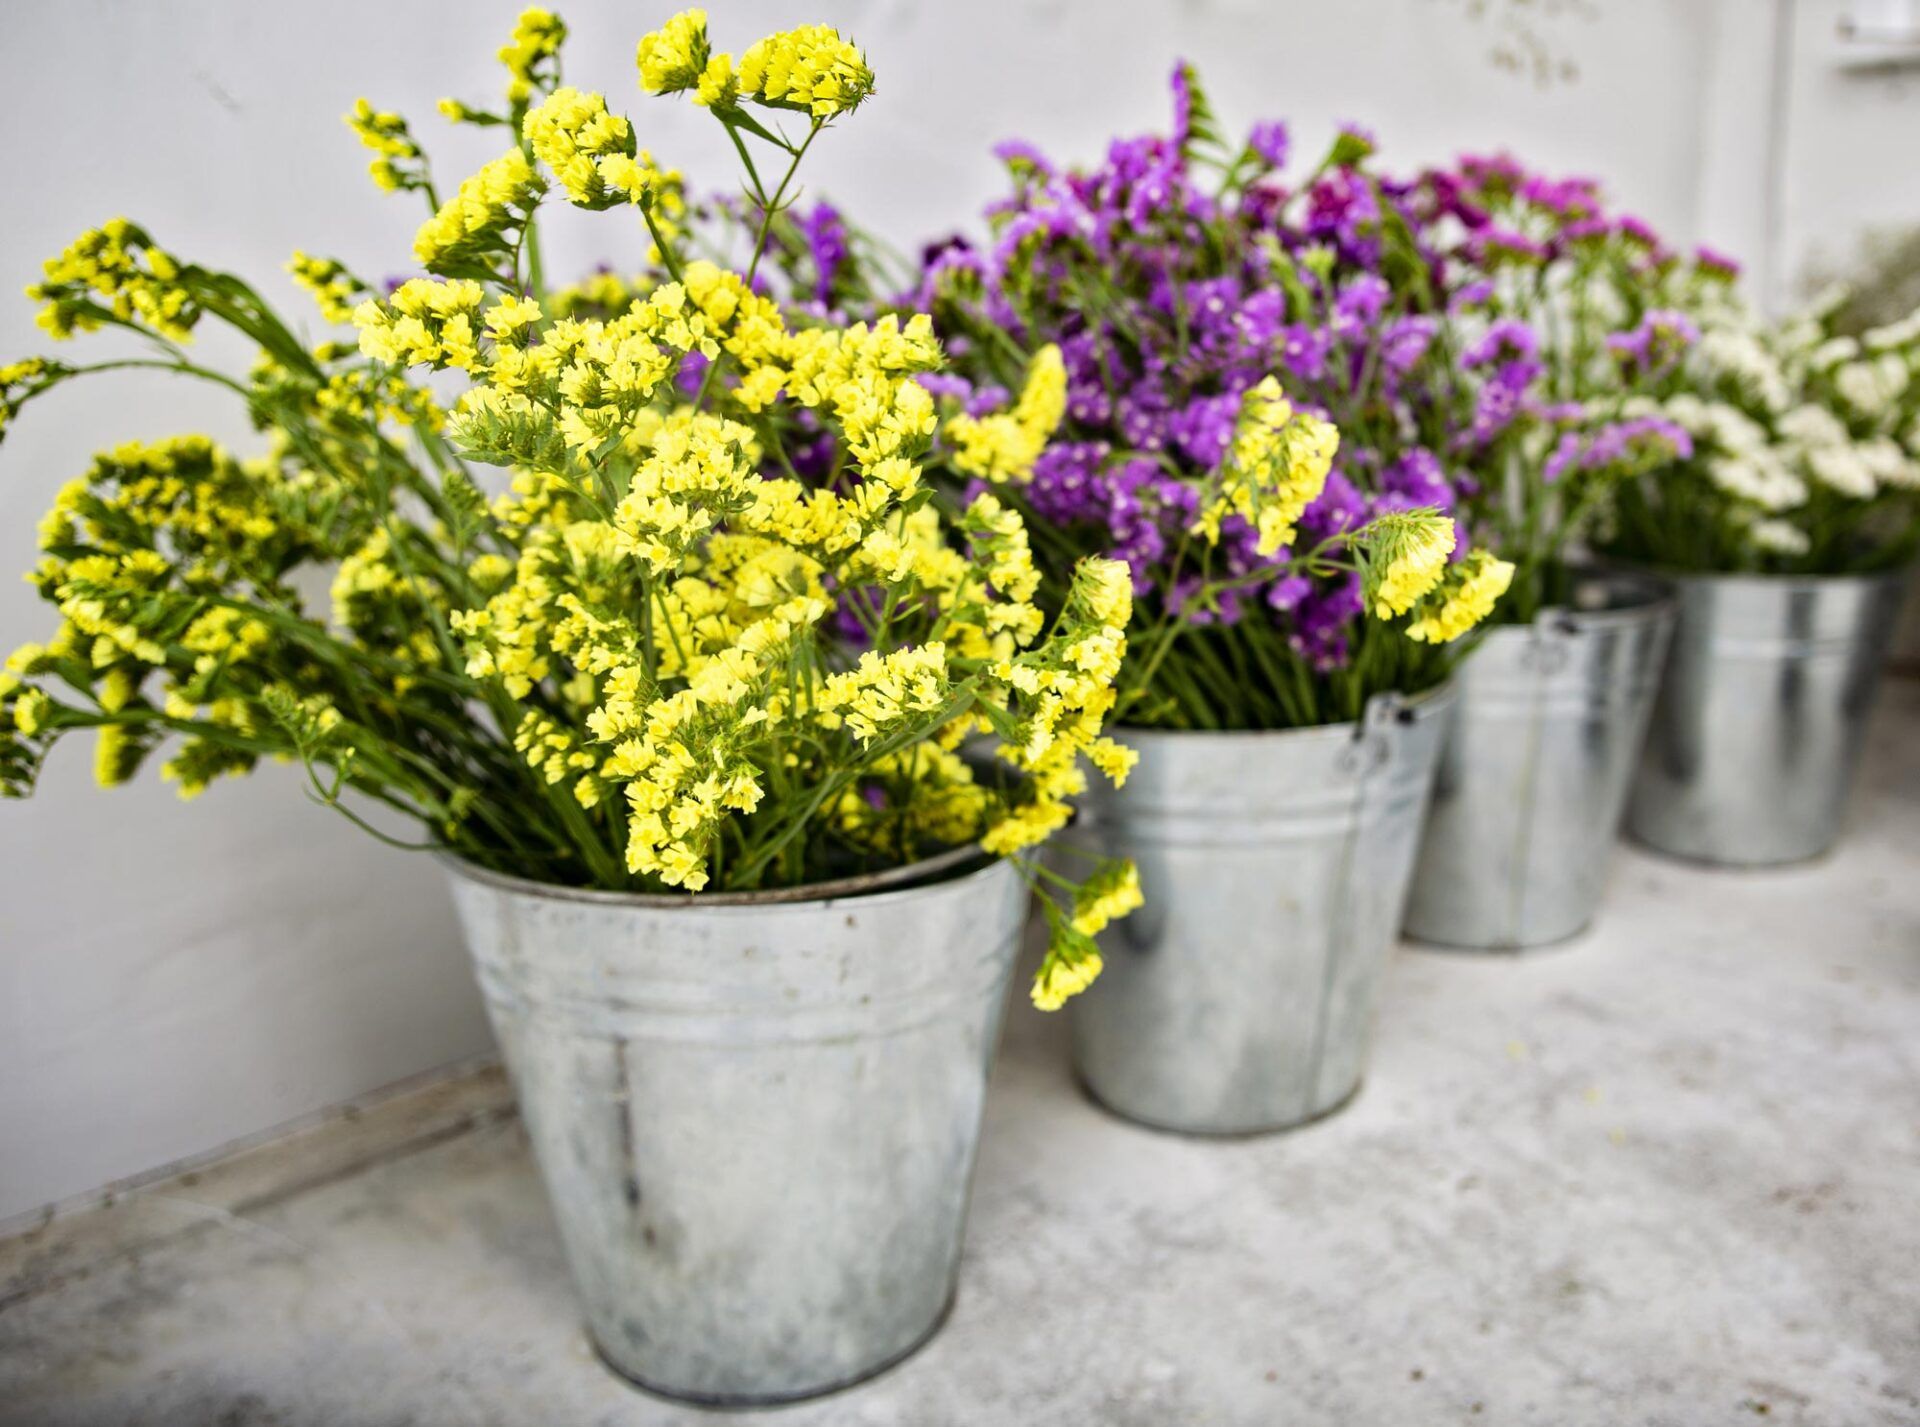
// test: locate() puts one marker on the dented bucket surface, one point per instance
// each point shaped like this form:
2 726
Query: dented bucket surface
1535 768
756 1117
1762 715
1241 997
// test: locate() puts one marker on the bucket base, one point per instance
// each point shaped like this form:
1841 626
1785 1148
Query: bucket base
1495 948
773 1399
1192 1132
1724 864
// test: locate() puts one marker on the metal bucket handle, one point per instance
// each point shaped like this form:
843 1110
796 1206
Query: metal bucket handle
1372 745
1550 649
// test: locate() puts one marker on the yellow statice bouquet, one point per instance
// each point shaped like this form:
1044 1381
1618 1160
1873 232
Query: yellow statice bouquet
658 600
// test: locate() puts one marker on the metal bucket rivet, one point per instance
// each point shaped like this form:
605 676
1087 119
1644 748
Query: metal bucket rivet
1535 768
1762 716
1241 997
756 1118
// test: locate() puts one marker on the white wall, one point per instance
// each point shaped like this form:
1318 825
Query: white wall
174 977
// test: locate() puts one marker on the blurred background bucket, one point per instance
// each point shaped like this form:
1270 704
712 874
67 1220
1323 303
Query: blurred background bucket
1535 768
1241 996
1761 717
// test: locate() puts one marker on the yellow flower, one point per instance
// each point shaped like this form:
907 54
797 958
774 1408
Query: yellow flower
674 57
116 754
1071 965
1406 556
1465 597
719 86
30 711
537 37
810 69
589 149
472 225
1107 896
1275 468
883 692
332 286
115 269
397 158
1003 446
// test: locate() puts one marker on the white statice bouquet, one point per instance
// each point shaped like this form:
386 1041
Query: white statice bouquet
1806 449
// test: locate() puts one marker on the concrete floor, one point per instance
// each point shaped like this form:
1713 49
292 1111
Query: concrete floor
1666 1174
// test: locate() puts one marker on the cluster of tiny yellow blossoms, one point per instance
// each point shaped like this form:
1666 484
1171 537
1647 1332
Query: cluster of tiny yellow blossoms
1066 973
1406 557
134 552
591 152
472 225
1003 446
18 380
810 69
1073 958
1066 690
1276 467
885 692
530 53
674 57
335 290
684 758
115 273
396 157
1465 595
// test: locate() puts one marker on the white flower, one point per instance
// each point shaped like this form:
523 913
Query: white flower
1895 334
1889 462
1734 430
1842 469
1684 410
1832 352
1779 537
1742 357
1761 477
1813 426
1871 387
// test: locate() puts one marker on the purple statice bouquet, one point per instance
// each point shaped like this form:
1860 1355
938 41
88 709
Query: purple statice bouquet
1175 278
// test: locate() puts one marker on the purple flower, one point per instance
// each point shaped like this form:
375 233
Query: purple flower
1507 340
1656 345
1497 246
1417 479
825 232
1619 448
1269 141
1023 158
1714 263
1359 306
1404 341
1182 86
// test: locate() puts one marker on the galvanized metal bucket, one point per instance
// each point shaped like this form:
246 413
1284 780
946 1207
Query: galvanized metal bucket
1761 718
1535 768
1241 997
755 1115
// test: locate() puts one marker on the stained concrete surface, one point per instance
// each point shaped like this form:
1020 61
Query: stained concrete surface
1666 1174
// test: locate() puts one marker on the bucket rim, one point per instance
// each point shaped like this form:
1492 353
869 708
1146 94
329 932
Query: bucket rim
1760 580
1648 594
957 864
1427 701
